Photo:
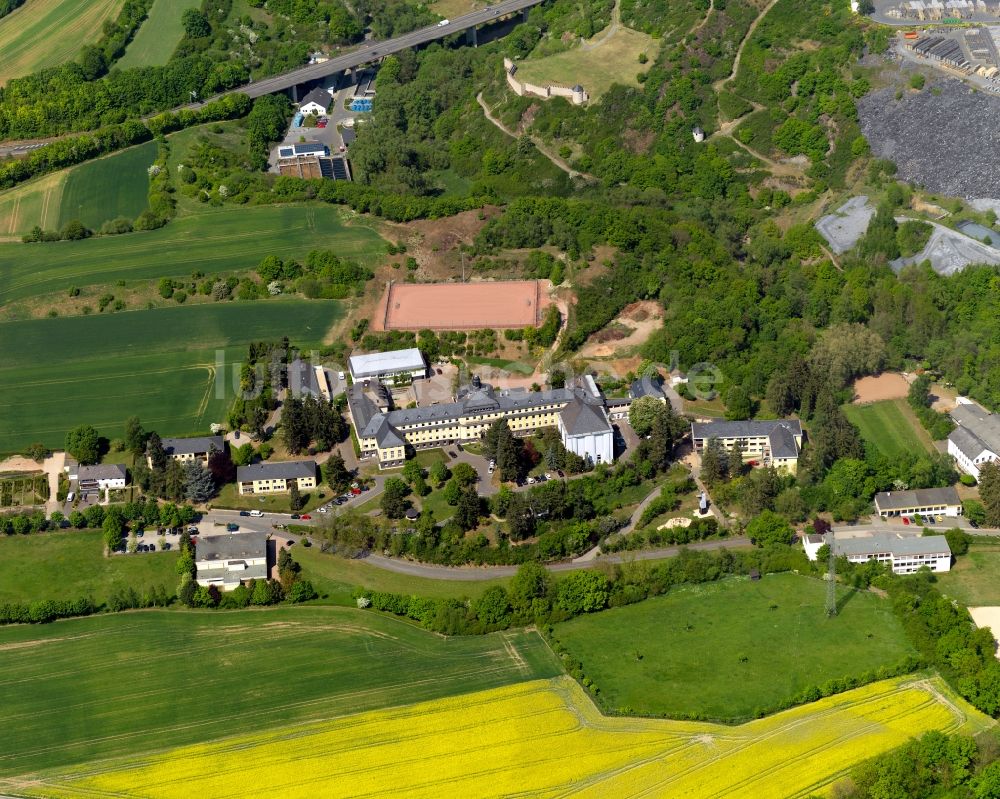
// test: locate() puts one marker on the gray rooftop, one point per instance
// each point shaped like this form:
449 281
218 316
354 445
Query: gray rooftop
783 442
287 470
193 446
236 546
376 363
302 380
647 387
916 498
896 545
102 471
583 418
977 430
751 428
257 571
318 96
385 434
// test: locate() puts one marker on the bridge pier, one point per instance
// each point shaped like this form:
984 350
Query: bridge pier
471 37
524 15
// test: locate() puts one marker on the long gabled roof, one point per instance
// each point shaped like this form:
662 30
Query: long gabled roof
194 445
916 498
581 418
977 430
287 470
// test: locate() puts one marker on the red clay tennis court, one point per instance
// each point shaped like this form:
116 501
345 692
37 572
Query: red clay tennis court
461 306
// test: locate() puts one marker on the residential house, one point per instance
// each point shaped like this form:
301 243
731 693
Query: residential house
226 561
904 553
276 478
408 363
925 501
316 102
100 477
976 439
306 380
772 442
189 450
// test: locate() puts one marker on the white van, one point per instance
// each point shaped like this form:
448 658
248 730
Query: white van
444 22
256 513
71 496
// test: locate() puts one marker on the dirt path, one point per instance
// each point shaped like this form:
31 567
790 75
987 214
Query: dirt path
707 17
778 169
717 86
542 148
611 30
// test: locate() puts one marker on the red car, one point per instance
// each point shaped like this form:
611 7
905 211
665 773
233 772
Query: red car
305 517
906 520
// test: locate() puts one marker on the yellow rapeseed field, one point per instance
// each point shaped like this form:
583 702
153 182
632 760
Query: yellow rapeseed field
538 739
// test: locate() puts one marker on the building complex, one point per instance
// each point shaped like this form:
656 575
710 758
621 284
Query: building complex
905 554
772 442
190 450
225 561
277 477
919 501
578 413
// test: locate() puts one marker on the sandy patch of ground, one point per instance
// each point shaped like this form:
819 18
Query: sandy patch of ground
18 463
636 322
886 386
943 399
987 617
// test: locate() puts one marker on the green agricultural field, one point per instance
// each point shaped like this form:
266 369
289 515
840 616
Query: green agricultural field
213 242
682 654
72 564
973 579
596 65
45 33
36 202
159 35
339 576
159 364
891 426
85 689
106 188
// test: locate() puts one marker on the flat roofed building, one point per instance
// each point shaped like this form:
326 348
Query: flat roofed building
308 149
102 476
944 501
586 431
905 553
276 478
976 438
226 561
186 450
770 442
388 365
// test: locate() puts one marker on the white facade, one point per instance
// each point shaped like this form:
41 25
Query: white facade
595 447
905 554
387 365
225 561
312 107
973 464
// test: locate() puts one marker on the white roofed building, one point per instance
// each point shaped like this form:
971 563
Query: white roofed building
388 365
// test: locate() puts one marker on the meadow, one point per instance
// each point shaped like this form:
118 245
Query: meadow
596 65
541 738
338 577
891 426
158 35
973 578
158 364
45 33
72 564
128 683
212 242
729 649
109 187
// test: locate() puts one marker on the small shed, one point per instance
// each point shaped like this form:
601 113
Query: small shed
755 574
412 514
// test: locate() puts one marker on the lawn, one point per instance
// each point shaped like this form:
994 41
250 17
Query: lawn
106 188
338 577
158 36
230 497
72 564
682 654
891 426
37 202
45 33
537 738
131 683
161 365
213 242
596 65
973 579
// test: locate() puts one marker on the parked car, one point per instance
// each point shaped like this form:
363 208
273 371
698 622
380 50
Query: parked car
355 492
256 513
531 481
232 528
939 517
152 547
906 520
192 528
280 526
324 509
306 517
548 476
244 513
296 516
973 524
166 545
